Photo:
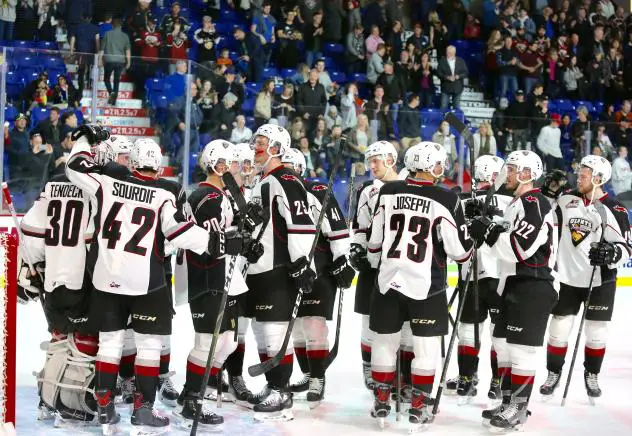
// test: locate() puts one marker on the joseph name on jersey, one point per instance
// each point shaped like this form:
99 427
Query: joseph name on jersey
366 201
56 231
415 227
134 216
579 225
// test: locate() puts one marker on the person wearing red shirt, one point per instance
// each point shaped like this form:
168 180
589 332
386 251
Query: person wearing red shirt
177 45
149 41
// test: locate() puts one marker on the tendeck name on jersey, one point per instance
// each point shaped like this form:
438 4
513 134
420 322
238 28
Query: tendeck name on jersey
412 203
134 193
65 190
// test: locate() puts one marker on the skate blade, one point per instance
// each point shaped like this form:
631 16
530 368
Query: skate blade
449 392
168 403
282 416
109 429
212 396
418 428
464 400
187 424
381 422
61 422
592 401
546 398
143 430
499 430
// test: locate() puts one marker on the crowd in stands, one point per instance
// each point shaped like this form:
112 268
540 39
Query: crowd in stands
372 69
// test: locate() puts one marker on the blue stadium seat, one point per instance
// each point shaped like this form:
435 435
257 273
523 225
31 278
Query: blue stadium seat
15 83
52 62
250 122
427 130
223 28
588 105
430 115
476 46
248 107
22 44
334 49
159 101
330 64
358 77
154 84
37 115
10 113
80 117
287 72
29 76
25 59
270 73
186 14
564 105
228 15
46 45
338 76
253 87
462 47
598 107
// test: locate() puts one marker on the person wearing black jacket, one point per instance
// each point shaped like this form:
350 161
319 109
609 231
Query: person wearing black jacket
311 100
452 70
73 11
409 123
508 60
518 114
251 55
50 129
394 90
233 85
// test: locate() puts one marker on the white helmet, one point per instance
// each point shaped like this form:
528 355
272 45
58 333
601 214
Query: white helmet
111 148
245 156
424 157
146 154
277 137
296 158
522 159
215 151
381 149
600 168
486 167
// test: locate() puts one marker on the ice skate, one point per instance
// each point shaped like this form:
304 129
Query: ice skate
167 393
211 389
276 406
419 414
302 385
106 413
550 384
381 405
488 414
69 418
452 385
592 386
512 418
316 392
255 399
466 390
238 390
368 378
494 389
45 412
128 387
184 413
146 420
406 393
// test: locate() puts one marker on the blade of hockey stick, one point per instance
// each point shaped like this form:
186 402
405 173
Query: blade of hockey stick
235 192
460 126
263 367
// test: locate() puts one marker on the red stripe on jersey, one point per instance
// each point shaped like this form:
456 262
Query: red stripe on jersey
464 350
317 354
335 238
422 379
383 377
556 351
181 230
492 354
199 370
106 367
517 379
147 371
301 232
595 352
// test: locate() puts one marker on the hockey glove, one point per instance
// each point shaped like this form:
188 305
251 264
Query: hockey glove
253 252
30 287
483 229
604 253
357 258
255 216
230 242
93 133
302 275
342 272
554 183
473 207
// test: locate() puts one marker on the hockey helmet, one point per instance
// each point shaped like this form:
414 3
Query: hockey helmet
296 158
110 149
381 149
146 154
486 167
214 152
277 137
600 168
424 156
522 159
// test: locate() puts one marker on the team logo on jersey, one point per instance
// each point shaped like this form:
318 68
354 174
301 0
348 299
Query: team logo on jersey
319 188
373 191
531 199
572 204
580 228
289 177
114 285
212 196
621 209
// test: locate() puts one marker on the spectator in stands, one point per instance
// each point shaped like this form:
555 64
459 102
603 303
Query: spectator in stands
86 43
409 123
332 118
331 154
50 129
177 44
224 58
596 45
452 70
394 90
575 48
504 141
61 152
232 83
373 41
297 130
624 111
313 164
116 54
617 85
508 60
73 12
549 144
263 103
264 27
169 21
444 137
439 36
335 14
418 40
578 131
531 65
379 115
574 80
518 114
553 74
7 19
621 173
26 20
320 135
325 80
137 22
526 23
375 66
394 39
622 136
312 100
217 76
196 120
472 30
424 75
251 55
309 8
39 161
284 106
484 141
289 35
18 149
148 43
68 120
106 25
41 97
348 107
361 137
354 16
375 15
314 38
223 116
206 100
64 94
355 50
602 140
206 39
241 132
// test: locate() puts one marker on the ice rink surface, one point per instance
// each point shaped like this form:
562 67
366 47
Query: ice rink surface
345 410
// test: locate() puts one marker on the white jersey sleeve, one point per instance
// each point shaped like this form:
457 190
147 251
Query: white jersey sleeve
367 199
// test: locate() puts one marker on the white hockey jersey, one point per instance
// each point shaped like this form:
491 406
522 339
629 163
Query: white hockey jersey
579 225
365 208
528 248
56 231
416 226
134 216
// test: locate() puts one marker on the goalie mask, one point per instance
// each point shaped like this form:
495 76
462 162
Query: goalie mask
146 155
523 159
487 167
116 148
600 167
277 137
216 152
295 158
424 157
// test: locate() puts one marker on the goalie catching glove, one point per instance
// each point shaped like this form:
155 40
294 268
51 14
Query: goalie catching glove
30 287
302 275
483 229
604 253
342 272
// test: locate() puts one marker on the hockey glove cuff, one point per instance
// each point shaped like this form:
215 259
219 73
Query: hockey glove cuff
342 272
483 229
30 287
230 242
357 258
604 253
554 183
254 252
302 275
473 207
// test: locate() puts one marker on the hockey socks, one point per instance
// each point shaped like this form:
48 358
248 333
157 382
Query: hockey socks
493 361
555 355
593 358
195 374
165 360
300 350
467 358
126 366
365 349
423 381
522 384
235 362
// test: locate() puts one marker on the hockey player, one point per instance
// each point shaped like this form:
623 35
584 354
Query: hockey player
275 279
134 217
486 168
310 334
580 250
415 227
206 279
526 251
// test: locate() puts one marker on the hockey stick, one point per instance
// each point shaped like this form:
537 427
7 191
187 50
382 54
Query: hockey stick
334 349
263 367
230 184
398 386
601 210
